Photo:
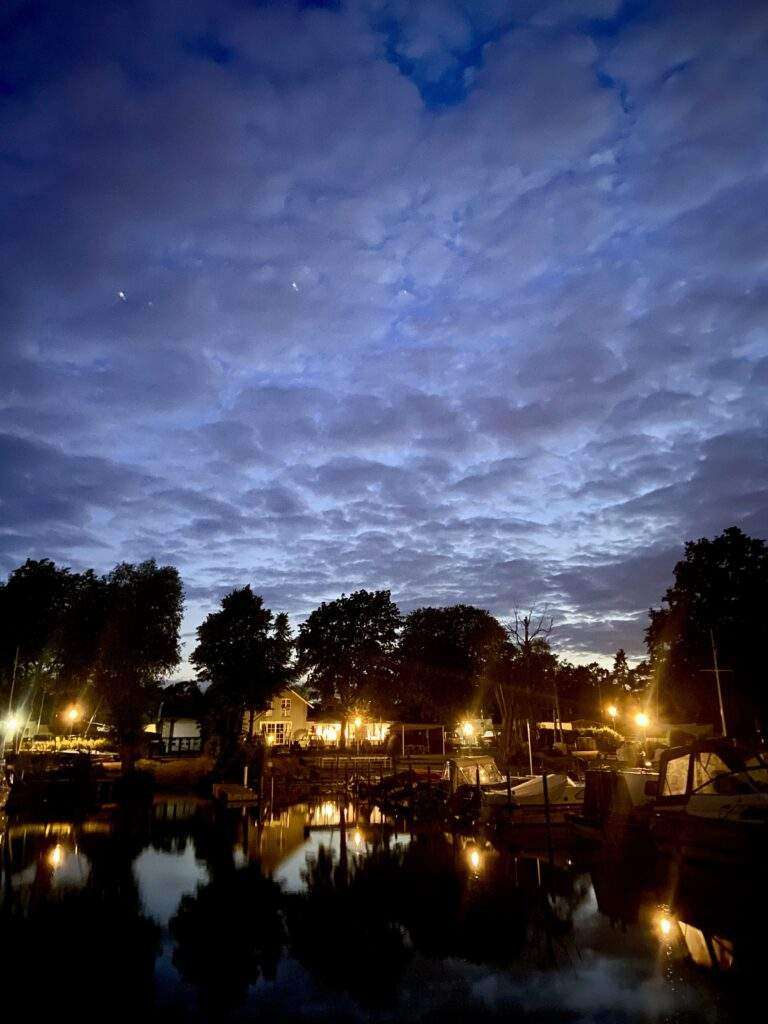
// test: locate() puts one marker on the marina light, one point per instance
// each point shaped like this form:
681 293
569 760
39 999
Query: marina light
467 729
11 723
612 711
56 856
357 839
72 714
358 721
642 720
475 860
665 926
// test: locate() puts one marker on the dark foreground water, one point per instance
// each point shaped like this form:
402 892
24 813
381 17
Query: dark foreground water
177 912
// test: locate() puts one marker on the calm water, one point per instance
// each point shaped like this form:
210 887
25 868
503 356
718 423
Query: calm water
184 913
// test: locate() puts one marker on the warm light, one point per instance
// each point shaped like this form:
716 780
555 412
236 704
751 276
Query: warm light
613 711
468 729
665 925
642 720
358 721
56 856
357 839
270 738
475 860
72 714
11 723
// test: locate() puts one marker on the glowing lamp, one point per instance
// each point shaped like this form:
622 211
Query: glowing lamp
612 711
468 729
642 720
56 856
475 860
72 714
11 723
358 721
665 926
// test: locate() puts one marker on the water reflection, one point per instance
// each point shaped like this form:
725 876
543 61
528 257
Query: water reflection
325 911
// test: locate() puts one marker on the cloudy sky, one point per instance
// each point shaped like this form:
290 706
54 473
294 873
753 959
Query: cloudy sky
463 298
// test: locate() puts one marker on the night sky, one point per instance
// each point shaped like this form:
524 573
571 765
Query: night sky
463 299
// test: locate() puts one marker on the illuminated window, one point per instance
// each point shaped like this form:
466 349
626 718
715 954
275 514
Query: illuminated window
285 705
280 730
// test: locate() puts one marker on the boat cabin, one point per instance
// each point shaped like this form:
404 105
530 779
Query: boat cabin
712 768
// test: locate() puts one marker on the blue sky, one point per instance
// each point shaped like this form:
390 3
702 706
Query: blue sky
467 300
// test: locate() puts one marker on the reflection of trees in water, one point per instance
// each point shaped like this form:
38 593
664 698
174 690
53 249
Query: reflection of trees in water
356 930
230 933
90 946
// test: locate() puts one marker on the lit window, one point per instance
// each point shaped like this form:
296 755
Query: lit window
285 705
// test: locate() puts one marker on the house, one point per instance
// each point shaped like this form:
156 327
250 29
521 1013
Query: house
328 731
284 720
179 726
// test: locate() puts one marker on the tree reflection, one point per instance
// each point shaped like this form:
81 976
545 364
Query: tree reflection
228 936
88 945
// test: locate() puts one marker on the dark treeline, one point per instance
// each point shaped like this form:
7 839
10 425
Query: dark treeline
110 641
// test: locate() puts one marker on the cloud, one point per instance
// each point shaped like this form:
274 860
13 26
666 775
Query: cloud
465 300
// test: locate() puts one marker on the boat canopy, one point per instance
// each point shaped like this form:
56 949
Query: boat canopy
470 770
712 767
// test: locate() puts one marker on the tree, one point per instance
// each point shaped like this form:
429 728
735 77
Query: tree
33 604
526 682
720 593
347 647
244 651
582 689
448 659
139 643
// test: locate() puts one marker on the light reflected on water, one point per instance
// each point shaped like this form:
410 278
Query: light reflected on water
361 911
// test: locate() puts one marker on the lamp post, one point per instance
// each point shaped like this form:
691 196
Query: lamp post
467 730
10 728
642 721
72 714
613 712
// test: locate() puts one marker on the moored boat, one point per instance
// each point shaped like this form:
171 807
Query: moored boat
712 803
617 804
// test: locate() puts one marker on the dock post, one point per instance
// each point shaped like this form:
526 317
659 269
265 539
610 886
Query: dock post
546 816
509 790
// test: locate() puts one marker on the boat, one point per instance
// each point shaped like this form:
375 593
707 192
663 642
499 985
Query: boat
56 781
617 804
712 803
478 788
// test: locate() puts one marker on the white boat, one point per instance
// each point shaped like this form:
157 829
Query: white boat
712 803
617 803
476 783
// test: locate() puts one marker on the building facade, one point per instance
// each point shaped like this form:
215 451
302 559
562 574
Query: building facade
283 721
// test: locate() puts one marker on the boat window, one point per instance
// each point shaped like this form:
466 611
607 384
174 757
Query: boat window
676 778
712 776
758 772
485 770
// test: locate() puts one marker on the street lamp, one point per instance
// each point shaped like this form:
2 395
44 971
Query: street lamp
468 730
643 721
612 711
72 714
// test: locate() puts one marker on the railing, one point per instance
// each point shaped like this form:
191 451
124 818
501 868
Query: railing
180 745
